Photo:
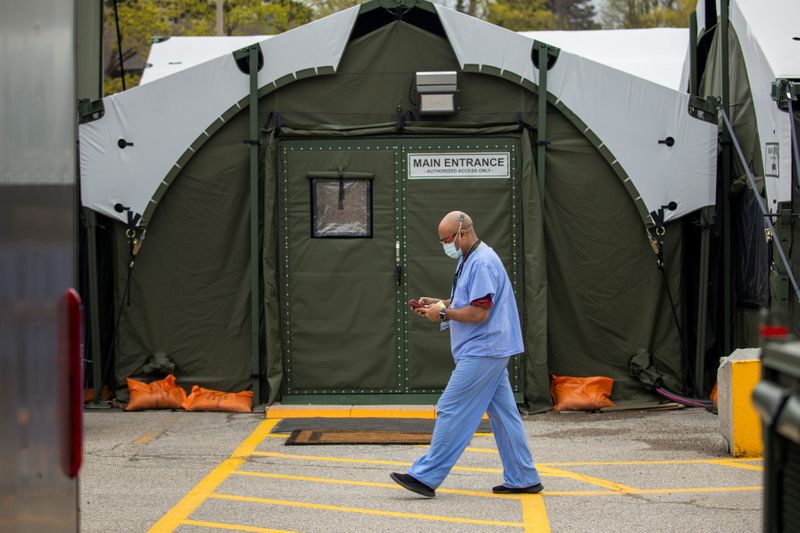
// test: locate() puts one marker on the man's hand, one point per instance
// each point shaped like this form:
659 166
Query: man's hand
427 300
431 312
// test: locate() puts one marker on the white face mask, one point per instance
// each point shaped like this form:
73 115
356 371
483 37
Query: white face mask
451 251
450 247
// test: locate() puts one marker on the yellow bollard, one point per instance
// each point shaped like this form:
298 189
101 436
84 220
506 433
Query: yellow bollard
740 425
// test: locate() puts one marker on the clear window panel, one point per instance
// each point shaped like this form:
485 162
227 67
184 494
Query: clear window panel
341 207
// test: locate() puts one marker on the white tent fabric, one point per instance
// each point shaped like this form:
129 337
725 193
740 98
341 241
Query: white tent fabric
654 54
164 117
629 114
179 53
765 29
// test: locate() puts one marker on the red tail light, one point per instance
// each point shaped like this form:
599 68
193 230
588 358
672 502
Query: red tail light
71 363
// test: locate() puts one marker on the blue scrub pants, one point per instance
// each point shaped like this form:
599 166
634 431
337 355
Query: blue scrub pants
477 385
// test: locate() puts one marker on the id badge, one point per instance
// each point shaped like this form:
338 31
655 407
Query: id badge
444 326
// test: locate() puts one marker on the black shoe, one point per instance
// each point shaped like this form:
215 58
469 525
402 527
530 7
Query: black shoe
410 482
533 489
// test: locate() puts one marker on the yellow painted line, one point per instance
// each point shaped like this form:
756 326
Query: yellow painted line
736 464
557 472
276 436
483 435
684 490
662 462
360 412
378 512
364 461
286 412
184 508
234 527
534 514
371 484
144 439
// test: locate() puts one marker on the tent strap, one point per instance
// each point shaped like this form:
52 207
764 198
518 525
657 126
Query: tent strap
754 188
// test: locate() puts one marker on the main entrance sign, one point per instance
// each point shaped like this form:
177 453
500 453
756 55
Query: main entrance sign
459 165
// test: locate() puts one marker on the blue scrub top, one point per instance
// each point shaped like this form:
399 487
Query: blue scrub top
500 336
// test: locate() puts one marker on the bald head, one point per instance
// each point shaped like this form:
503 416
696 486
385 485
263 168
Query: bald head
460 223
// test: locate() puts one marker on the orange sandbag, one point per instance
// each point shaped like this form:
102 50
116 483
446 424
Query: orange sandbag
713 395
581 394
213 400
161 394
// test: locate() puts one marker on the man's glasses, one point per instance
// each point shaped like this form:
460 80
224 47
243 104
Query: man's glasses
452 237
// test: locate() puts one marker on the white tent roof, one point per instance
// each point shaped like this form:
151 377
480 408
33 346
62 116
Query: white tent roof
628 113
178 53
766 30
653 54
164 117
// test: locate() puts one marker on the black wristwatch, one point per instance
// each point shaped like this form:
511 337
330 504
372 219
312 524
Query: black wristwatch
443 314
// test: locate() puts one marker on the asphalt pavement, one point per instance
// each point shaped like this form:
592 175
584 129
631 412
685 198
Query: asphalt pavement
629 471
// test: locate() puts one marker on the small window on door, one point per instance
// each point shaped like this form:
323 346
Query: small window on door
341 208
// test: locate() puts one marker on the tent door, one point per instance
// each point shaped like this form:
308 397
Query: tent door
338 259
480 177
358 237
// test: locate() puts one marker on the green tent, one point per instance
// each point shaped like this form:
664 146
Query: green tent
329 123
746 54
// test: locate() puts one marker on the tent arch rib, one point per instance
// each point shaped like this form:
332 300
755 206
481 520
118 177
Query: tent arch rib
206 134
585 130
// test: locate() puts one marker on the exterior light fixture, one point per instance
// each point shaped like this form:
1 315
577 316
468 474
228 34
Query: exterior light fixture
437 92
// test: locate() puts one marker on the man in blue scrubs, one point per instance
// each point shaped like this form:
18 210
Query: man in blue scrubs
484 333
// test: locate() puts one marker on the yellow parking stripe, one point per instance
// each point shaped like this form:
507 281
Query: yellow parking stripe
743 466
557 472
234 527
184 508
534 514
365 461
663 462
371 484
378 512
685 490
144 439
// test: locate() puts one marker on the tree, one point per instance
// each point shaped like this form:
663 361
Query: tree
574 14
323 8
141 20
521 15
647 13
473 8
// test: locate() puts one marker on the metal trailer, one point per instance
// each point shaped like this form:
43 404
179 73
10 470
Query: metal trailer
41 420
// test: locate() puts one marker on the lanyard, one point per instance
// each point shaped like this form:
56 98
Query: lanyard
460 267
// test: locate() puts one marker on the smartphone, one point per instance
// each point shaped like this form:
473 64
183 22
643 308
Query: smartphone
415 304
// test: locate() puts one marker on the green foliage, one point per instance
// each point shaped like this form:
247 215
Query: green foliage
521 15
647 13
574 14
141 20
323 8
